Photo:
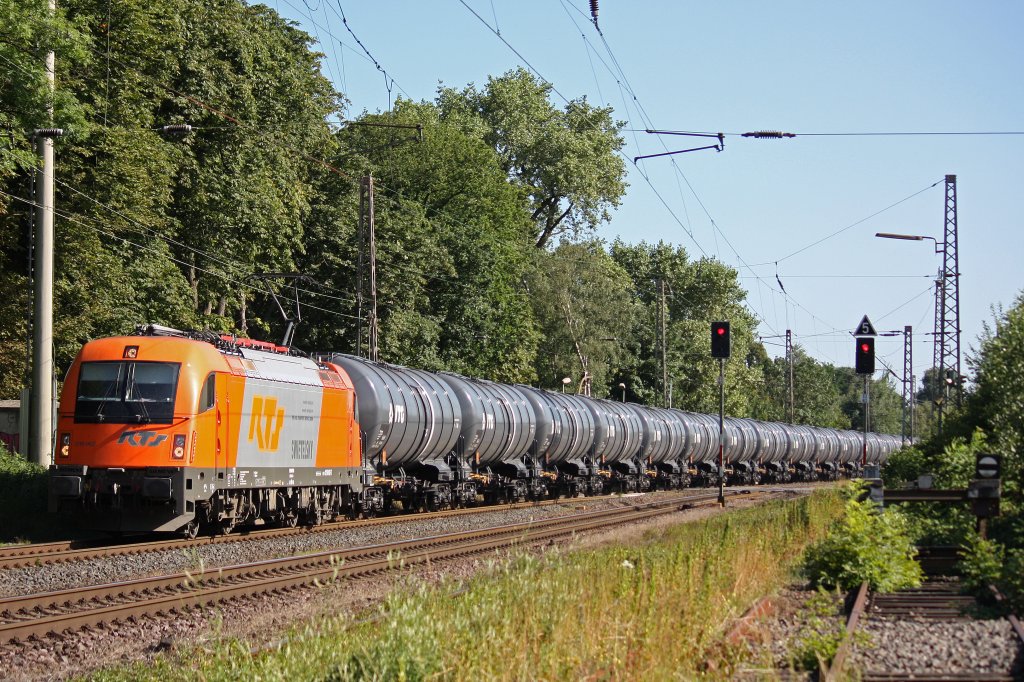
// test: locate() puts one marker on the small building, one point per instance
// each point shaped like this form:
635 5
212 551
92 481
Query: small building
10 424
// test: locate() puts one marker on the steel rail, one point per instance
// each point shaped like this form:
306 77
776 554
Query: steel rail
931 601
33 615
18 556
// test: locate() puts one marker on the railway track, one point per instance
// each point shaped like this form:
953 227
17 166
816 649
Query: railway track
45 614
36 554
940 606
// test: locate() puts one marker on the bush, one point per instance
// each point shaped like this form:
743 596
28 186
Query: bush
866 544
953 467
981 563
904 466
22 495
987 562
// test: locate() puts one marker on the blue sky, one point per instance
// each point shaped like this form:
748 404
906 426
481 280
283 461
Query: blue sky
802 67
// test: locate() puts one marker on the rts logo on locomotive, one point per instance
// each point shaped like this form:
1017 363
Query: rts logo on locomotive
265 423
141 438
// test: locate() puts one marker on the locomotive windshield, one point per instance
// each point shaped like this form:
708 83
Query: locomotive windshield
127 392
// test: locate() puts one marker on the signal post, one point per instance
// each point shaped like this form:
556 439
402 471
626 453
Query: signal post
865 366
720 348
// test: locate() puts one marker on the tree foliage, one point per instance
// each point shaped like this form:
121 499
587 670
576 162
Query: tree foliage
564 159
996 405
172 229
585 308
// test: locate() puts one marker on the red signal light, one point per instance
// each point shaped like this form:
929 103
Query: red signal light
720 339
865 363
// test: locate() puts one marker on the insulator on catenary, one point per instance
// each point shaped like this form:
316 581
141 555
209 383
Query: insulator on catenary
593 10
768 134
179 128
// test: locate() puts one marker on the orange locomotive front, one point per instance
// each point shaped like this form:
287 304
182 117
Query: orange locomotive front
169 430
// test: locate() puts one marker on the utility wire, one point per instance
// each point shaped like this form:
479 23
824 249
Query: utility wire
862 134
850 226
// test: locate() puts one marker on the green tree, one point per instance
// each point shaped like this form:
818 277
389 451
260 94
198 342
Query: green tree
564 159
816 396
584 305
886 403
153 228
474 250
696 293
996 403
27 32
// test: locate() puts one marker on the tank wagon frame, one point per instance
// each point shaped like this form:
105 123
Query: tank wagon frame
171 430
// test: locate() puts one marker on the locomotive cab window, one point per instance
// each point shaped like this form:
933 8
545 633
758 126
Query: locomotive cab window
127 392
208 396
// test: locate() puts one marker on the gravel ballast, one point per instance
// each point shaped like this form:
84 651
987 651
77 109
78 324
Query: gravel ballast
939 646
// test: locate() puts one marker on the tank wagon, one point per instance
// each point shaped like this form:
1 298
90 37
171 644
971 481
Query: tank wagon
178 431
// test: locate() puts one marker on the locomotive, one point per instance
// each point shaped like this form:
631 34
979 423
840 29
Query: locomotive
177 431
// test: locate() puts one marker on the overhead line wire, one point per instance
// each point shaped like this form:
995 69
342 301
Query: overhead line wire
865 134
644 116
850 226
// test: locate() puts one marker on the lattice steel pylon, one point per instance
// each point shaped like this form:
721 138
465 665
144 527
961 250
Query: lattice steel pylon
947 306
790 402
908 386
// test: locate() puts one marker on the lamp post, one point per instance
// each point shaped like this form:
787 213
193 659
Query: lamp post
947 300
623 387
565 382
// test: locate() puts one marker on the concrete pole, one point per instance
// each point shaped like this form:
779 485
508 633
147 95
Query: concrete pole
42 349
913 404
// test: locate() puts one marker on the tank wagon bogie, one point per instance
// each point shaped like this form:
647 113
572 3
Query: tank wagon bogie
176 431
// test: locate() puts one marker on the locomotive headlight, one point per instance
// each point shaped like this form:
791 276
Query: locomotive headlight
65 445
178 449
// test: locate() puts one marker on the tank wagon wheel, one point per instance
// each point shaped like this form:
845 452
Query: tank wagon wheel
290 519
314 516
226 525
191 530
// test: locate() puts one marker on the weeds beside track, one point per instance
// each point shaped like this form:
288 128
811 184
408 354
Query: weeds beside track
649 610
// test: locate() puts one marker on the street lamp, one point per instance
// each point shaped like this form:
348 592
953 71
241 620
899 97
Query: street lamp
940 307
565 382
939 246
623 387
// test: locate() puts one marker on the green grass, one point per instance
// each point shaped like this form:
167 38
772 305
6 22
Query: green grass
651 610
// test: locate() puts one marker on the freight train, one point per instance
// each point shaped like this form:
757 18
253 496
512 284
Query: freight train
178 431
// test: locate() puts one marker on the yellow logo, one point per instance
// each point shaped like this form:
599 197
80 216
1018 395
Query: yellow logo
266 422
